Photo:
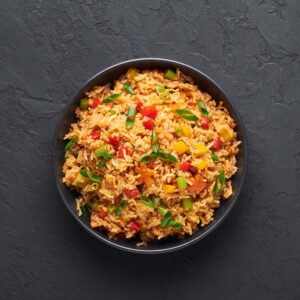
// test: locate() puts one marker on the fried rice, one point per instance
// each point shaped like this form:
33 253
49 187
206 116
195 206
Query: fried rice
151 156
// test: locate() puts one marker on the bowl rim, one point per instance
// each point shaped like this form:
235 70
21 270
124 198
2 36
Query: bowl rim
183 244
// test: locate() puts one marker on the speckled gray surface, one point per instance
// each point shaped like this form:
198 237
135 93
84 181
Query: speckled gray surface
49 48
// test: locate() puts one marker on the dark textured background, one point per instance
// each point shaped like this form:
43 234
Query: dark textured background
49 48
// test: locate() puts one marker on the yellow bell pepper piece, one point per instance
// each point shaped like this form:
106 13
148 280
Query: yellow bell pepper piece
226 133
180 147
201 149
169 188
187 130
131 73
202 164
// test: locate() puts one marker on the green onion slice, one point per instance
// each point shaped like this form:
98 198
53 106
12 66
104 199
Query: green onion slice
102 152
161 210
148 158
167 157
128 88
130 117
111 98
120 208
203 109
221 178
71 143
166 220
154 142
92 176
113 112
186 114
147 201
84 211
214 157
175 225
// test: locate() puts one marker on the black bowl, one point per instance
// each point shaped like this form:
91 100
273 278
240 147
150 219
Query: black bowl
109 75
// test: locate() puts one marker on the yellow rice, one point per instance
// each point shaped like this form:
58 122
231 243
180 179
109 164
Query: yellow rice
119 174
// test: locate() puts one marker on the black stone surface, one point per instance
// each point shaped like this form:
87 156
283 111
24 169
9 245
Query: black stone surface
49 48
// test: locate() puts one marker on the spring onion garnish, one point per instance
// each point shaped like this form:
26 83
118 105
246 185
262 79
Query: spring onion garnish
111 98
166 219
130 117
181 182
221 178
92 187
170 74
84 211
84 104
154 142
160 88
120 208
92 176
187 204
103 154
162 210
175 225
203 109
165 96
128 88
148 158
146 200
214 157
113 112
71 142
167 157
156 153
186 114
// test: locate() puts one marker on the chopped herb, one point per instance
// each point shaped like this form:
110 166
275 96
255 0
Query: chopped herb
84 211
120 208
102 152
148 158
167 157
84 104
71 143
111 98
128 88
186 114
221 179
101 163
160 88
104 156
92 187
130 117
162 210
84 173
214 157
147 201
166 220
113 112
92 176
170 74
154 142
175 225
203 109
